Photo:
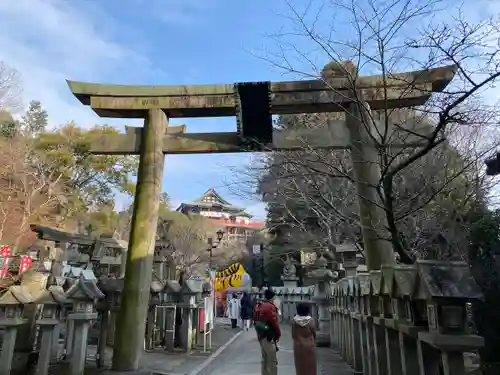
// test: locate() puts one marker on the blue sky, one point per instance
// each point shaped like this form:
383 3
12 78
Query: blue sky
151 42
142 42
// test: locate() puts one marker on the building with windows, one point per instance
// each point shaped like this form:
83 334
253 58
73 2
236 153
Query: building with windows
234 221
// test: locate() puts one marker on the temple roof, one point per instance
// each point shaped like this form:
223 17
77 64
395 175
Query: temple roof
210 199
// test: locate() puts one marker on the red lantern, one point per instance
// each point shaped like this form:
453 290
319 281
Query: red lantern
26 262
5 252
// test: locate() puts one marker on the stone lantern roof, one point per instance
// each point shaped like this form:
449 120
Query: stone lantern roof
17 295
85 289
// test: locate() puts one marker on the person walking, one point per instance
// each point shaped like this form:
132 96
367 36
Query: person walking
304 341
268 333
246 311
233 310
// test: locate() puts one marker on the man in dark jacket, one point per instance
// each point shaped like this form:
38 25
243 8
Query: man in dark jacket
246 310
268 333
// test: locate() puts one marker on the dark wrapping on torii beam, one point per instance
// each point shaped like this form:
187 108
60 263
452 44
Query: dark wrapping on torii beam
253 113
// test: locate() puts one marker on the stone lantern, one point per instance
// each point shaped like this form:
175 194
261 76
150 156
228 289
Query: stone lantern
364 293
171 296
289 276
83 295
191 293
108 310
322 278
376 301
447 286
53 300
404 302
390 304
152 333
11 317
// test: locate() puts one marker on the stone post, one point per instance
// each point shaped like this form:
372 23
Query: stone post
83 295
130 329
186 328
110 336
322 277
150 328
7 354
350 263
103 337
82 325
70 330
289 276
33 283
46 347
12 304
53 301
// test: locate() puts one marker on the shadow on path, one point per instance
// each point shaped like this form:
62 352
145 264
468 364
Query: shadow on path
242 357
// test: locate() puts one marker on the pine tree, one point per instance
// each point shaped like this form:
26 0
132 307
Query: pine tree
35 119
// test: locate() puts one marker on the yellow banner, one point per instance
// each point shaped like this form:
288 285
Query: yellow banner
232 277
235 268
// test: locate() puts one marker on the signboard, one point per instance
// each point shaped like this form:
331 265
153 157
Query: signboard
256 249
215 214
209 311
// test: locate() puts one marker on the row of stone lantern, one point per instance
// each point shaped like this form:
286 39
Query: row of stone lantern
185 297
426 302
77 305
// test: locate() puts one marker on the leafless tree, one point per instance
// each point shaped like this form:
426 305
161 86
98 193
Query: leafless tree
191 253
10 88
425 154
29 189
429 157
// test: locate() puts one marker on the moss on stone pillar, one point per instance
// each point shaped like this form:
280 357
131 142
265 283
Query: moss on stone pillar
131 322
366 170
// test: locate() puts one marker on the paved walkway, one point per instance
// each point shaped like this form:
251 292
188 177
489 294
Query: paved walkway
242 357
159 361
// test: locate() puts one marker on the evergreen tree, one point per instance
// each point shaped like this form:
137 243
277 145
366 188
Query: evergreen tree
35 119
9 127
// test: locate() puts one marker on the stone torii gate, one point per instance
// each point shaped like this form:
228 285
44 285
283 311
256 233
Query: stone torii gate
253 104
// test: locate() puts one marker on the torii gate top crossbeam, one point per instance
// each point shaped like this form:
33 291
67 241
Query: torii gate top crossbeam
394 91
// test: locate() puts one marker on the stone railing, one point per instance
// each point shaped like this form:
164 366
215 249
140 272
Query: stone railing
409 320
287 299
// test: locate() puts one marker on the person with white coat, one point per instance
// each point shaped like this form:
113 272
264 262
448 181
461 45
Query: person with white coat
233 310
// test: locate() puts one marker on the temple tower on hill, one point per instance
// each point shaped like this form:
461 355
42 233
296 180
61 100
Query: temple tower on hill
235 222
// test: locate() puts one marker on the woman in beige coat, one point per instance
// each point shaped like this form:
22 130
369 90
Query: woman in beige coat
304 341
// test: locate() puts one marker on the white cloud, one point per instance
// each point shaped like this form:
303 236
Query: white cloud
50 41
175 12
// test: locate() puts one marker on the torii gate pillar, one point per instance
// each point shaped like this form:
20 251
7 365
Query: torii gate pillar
135 296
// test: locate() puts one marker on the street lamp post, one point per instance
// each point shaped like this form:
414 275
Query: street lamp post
211 245
258 254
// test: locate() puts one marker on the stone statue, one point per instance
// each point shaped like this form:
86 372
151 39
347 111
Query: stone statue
289 268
